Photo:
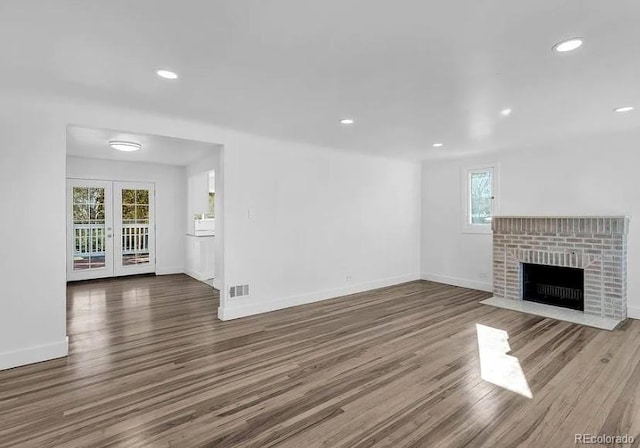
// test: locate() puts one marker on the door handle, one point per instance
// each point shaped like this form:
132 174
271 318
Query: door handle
108 235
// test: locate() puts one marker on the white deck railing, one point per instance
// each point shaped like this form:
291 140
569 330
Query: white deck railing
135 238
90 239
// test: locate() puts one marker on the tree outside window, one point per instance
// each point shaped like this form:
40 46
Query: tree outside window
212 208
479 195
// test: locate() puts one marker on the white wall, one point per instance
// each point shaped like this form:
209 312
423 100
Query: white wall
198 193
595 176
32 265
318 215
306 218
170 186
198 180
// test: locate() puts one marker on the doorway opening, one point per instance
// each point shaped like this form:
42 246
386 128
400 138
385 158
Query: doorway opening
132 201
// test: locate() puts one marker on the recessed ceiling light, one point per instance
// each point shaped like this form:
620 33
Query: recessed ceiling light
438 145
568 45
125 146
347 121
505 112
624 109
166 74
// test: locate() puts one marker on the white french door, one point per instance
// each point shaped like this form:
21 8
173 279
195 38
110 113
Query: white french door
89 229
110 229
134 232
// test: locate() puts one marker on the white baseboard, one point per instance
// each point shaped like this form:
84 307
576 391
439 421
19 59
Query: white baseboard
633 312
37 353
169 270
462 282
200 276
264 306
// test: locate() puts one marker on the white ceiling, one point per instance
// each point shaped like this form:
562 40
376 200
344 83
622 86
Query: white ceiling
411 72
94 143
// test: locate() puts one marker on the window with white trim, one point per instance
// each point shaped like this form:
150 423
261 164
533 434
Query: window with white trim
480 190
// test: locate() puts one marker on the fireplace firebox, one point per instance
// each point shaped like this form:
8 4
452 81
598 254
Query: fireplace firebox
553 285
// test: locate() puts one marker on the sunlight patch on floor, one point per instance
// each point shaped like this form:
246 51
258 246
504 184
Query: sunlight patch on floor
496 366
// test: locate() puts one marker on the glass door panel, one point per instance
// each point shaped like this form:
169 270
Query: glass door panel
134 220
135 226
89 230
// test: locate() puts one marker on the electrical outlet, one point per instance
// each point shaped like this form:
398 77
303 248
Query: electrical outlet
483 276
348 278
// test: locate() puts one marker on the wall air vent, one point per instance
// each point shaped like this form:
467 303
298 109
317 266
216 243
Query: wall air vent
238 291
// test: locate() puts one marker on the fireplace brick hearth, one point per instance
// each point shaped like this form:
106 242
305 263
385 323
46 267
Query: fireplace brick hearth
596 244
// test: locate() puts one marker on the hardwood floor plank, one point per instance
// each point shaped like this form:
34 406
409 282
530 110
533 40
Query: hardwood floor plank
151 366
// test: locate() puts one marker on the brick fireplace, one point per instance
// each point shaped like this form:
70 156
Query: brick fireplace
596 245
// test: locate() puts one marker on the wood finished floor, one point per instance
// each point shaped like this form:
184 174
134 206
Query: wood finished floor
151 366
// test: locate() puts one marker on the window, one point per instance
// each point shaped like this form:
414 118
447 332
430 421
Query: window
212 195
480 198
211 212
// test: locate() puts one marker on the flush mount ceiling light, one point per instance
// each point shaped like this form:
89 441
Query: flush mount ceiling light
347 121
438 145
166 74
568 45
505 112
624 109
121 145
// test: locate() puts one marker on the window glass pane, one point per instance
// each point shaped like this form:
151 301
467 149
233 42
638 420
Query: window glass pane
135 244
96 200
128 214
89 246
142 197
128 196
212 202
80 195
481 197
135 258
81 214
135 231
97 213
97 261
96 196
142 214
